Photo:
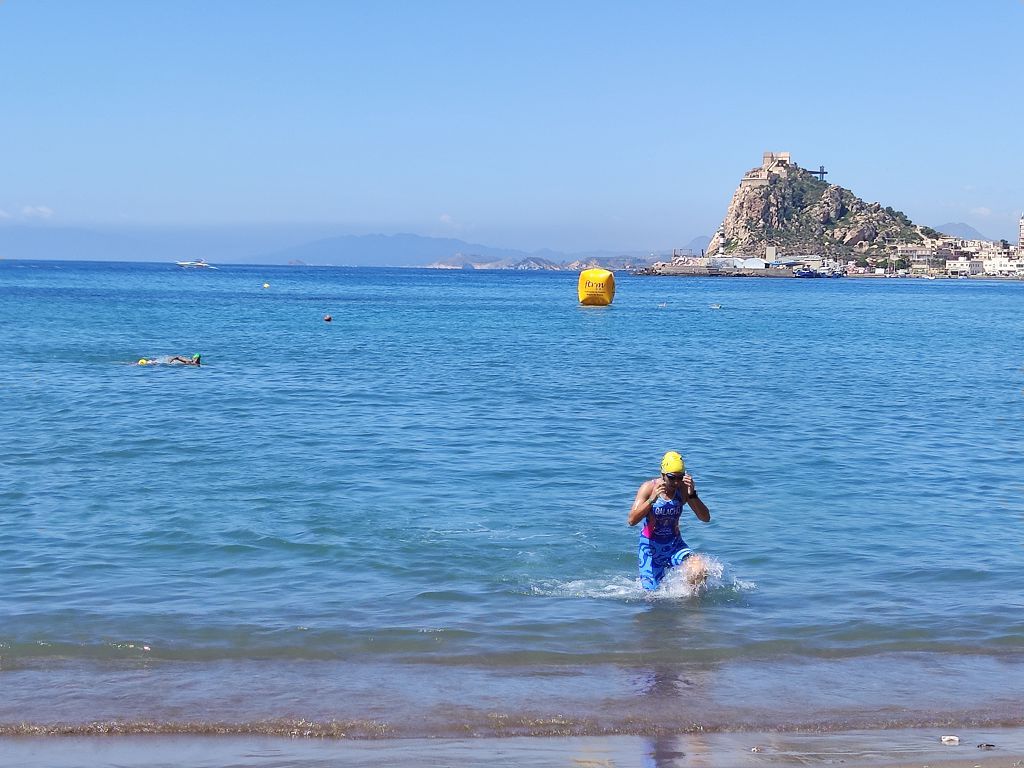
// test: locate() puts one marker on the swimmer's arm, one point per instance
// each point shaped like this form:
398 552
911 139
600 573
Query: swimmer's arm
700 509
645 497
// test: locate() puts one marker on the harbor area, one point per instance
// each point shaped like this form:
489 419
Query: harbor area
701 270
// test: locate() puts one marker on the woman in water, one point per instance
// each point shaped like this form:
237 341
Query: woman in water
660 503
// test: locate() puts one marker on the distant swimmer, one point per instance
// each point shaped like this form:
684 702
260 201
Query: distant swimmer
177 359
659 502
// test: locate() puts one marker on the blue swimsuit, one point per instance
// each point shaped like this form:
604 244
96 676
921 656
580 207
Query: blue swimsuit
661 548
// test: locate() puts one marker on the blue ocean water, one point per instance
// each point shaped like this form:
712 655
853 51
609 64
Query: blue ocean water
411 520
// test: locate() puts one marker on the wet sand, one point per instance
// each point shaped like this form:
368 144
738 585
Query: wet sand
392 701
852 749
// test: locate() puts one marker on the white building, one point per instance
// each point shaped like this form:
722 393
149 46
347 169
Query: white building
915 254
964 267
1020 238
1011 265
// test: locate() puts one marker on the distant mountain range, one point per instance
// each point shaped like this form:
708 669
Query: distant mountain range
296 245
961 230
402 250
699 244
316 245
405 250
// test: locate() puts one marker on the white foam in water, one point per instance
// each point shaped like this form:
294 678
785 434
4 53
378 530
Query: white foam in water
673 587
676 585
159 360
619 588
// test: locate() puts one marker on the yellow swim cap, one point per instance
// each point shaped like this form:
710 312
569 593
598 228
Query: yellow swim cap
143 361
672 463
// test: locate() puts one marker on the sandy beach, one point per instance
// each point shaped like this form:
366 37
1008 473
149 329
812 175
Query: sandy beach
853 749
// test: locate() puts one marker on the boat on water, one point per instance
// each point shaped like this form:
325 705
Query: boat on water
197 264
805 272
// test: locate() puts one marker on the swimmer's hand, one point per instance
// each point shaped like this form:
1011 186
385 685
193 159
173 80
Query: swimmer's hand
659 488
689 487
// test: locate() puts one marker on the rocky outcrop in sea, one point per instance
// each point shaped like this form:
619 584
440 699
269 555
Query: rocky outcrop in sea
783 205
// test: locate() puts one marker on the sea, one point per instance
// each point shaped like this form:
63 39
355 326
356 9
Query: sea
409 522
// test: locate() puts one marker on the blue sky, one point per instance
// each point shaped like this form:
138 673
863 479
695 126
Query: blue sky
572 125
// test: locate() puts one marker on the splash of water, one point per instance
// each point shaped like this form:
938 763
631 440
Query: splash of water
678 584
675 586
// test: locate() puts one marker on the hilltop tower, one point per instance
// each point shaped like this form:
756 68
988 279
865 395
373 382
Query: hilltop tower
781 205
771 162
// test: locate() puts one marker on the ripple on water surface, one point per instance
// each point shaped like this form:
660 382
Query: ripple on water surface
441 475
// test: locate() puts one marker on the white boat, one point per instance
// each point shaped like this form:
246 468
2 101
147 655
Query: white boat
197 264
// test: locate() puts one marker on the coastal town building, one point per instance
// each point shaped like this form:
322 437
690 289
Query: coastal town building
1020 237
958 257
1005 266
936 257
964 267
918 254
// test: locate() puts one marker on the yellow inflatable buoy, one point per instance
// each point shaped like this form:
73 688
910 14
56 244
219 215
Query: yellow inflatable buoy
266 285
597 287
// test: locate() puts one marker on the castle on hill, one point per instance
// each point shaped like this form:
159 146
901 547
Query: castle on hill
771 163
783 214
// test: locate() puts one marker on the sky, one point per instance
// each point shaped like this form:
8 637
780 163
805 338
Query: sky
564 124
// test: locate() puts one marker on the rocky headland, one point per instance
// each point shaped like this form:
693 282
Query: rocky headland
783 205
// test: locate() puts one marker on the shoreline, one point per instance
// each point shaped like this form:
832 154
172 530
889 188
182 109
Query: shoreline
1004 748
384 700
786 274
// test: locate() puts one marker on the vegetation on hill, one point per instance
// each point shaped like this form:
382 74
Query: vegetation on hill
800 215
